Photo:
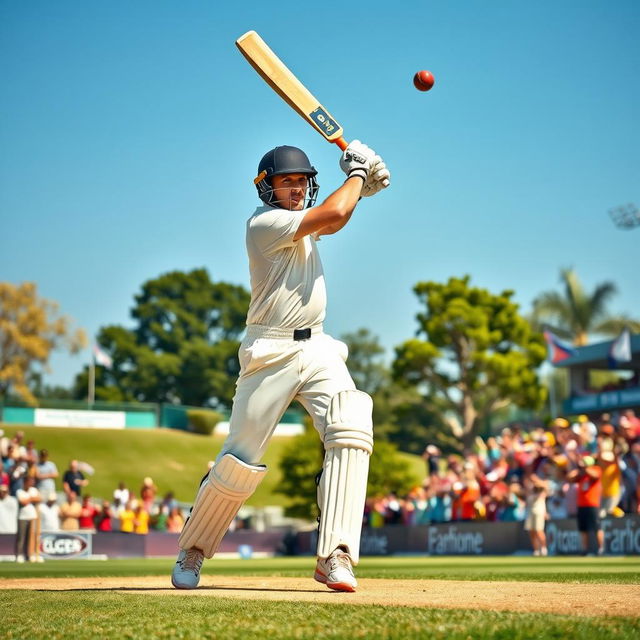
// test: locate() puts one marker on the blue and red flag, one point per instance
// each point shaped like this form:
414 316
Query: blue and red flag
558 350
620 349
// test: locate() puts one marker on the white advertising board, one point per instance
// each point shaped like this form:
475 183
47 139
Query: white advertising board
71 418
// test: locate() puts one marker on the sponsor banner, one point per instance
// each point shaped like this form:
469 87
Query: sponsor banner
615 399
62 545
473 538
621 535
71 418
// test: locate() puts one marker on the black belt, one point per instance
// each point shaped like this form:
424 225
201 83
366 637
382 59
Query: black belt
301 334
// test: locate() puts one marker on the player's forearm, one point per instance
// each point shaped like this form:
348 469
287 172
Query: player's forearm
334 212
341 204
333 228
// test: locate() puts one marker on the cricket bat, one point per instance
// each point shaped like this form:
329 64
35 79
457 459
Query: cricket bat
289 88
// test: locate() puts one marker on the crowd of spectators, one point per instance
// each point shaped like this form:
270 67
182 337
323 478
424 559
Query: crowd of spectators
30 502
584 469
527 475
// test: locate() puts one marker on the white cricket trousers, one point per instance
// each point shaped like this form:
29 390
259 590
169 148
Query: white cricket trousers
274 371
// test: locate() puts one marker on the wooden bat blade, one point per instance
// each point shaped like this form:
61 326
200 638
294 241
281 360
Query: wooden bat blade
276 74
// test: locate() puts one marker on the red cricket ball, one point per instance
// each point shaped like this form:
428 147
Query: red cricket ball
423 80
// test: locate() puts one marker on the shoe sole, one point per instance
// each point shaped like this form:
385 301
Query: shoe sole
181 586
320 577
336 586
341 586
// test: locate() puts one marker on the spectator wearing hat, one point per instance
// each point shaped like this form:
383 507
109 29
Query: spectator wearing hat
148 494
611 482
431 456
46 473
586 432
588 479
50 513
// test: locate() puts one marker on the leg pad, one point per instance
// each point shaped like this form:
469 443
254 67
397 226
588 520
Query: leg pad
229 483
342 488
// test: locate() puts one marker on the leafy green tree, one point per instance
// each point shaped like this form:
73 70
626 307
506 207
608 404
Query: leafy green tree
474 353
366 361
576 313
183 347
410 419
400 414
31 328
300 463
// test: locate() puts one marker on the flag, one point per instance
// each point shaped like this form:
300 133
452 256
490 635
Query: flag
620 349
558 351
102 357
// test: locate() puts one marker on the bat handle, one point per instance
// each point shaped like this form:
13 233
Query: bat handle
341 142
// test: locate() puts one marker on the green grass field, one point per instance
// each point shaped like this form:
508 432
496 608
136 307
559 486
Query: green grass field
176 460
113 613
616 570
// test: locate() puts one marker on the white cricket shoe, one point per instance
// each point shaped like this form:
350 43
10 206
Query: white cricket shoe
336 572
20 559
186 571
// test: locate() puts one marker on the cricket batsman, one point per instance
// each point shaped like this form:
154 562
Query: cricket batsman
286 356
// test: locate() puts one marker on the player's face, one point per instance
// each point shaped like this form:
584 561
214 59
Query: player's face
290 190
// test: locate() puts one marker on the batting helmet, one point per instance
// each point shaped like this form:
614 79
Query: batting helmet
282 160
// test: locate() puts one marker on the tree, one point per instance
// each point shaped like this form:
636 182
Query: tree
476 356
400 414
575 313
365 362
183 347
30 329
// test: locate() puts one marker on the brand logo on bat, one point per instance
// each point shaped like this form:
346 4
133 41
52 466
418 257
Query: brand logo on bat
324 121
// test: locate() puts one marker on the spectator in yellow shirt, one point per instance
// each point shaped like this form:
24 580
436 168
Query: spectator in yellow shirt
127 518
141 520
611 482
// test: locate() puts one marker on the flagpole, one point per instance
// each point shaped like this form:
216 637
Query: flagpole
92 382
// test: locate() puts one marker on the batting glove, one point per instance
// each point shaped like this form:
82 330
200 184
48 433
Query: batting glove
357 160
379 178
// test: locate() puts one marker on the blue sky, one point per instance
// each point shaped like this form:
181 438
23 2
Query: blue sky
131 132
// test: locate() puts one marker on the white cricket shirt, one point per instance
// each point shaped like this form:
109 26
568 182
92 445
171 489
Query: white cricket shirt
287 281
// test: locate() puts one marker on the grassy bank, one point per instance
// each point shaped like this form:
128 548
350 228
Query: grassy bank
176 460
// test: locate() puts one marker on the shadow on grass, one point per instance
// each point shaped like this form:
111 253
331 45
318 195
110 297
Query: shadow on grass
185 591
